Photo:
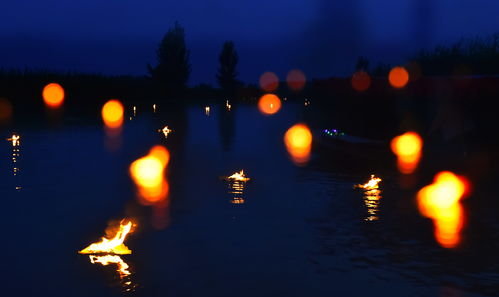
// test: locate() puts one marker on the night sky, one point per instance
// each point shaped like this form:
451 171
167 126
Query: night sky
321 37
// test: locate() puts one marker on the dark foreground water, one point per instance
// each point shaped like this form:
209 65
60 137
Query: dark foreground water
301 231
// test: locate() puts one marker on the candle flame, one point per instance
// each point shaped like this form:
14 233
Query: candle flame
114 245
239 176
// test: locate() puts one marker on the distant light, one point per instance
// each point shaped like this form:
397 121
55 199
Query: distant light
269 104
361 81
207 110
53 95
296 80
5 109
298 141
269 81
407 147
112 113
398 77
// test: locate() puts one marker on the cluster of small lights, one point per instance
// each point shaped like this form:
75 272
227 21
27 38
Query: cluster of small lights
307 102
333 132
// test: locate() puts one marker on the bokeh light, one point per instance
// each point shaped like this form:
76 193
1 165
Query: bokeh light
148 174
298 141
269 82
269 104
398 77
296 80
53 95
361 81
112 113
407 147
5 109
440 202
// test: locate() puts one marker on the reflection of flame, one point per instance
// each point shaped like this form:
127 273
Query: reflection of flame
371 184
237 189
166 131
112 259
114 245
154 108
440 202
15 140
372 196
298 140
239 176
148 174
207 110
407 147
228 105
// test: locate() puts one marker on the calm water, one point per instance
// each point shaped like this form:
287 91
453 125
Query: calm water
301 231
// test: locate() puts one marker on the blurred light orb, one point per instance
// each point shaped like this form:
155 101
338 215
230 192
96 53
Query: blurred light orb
296 80
112 113
361 81
298 141
407 147
269 82
5 109
147 171
53 95
398 77
269 104
161 153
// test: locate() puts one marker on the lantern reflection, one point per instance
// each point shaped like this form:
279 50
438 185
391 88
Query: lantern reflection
440 202
16 152
298 141
407 147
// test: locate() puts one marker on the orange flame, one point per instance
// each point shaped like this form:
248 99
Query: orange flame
15 140
165 131
298 140
112 259
239 176
114 245
148 174
372 184
112 113
269 104
408 148
440 202
53 95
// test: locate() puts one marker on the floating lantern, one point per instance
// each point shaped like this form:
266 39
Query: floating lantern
269 104
298 141
407 147
440 202
53 95
112 114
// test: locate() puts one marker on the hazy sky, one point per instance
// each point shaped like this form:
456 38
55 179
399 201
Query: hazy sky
322 37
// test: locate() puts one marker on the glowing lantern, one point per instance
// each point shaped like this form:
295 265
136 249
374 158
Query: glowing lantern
115 245
361 81
408 148
296 80
298 141
269 81
5 109
269 104
440 202
112 113
53 95
398 77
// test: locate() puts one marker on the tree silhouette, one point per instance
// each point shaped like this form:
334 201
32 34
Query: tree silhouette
173 69
227 74
362 64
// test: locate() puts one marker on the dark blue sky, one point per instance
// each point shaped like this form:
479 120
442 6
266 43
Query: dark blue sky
321 37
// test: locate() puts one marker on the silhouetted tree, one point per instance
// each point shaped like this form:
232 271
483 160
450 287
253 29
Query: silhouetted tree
227 74
173 69
362 64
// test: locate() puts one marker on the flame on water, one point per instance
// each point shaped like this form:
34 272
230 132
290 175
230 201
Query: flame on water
372 184
114 245
53 95
148 174
298 141
407 147
15 139
165 131
440 202
239 176
111 259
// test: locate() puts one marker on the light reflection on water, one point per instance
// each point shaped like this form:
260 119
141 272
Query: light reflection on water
16 153
122 268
